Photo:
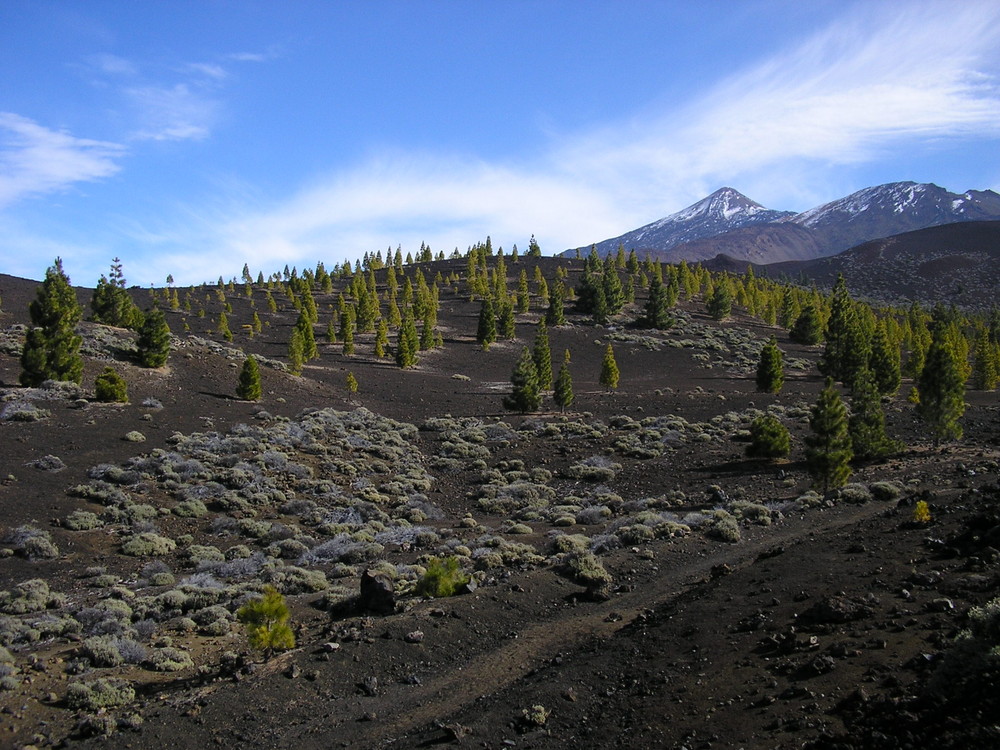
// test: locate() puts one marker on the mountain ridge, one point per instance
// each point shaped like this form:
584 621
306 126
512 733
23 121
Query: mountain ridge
751 232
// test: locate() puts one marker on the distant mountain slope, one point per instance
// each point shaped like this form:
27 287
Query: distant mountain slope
953 263
723 211
893 209
752 233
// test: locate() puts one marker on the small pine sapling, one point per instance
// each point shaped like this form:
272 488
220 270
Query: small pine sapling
609 370
563 391
769 438
266 622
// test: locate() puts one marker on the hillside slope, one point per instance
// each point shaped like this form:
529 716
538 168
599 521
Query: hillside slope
753 627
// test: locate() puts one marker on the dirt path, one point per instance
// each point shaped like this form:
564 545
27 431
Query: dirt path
498 668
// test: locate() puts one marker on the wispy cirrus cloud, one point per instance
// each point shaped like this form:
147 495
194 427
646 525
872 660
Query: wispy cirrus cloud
172 113
209 70
873 81
36 160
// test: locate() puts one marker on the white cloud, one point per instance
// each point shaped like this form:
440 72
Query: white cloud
251 56
36 160
113 65
173 113
210 70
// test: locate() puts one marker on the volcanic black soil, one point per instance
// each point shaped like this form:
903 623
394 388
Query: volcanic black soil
831 624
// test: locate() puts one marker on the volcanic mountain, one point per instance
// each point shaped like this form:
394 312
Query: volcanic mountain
746 231
723 211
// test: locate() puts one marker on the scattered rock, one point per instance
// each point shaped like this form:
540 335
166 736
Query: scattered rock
369 686
378 593
836 610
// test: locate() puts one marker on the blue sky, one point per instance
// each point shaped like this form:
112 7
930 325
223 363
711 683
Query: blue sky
189 138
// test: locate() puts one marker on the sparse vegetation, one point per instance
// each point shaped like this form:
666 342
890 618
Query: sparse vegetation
162 554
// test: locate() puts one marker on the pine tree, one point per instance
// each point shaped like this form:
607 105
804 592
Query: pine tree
807 329
769 438
505 318
789 310
305 329
153 343
614 295
51 349
222 328
296 352
525 395
381 337
657 313
427 337
534 251
486 332
110 387
984 363
407 342
884 362
351 383
347 330
941 388
609 370
720 303
563 389
590 297
555 314
542 354
111 303
523 295
770 368
249 386
846 351
866 425
828 448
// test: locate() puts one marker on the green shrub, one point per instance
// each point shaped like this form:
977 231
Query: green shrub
35 544
750 512
147 544
110 387
169 659
586 569
190 509
724 527
82 520
30 596
99 694
442 578
886 491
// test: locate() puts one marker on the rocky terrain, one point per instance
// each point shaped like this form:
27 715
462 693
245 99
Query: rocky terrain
634 579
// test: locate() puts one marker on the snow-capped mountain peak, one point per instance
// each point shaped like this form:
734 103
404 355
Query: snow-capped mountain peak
727 221
723 211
